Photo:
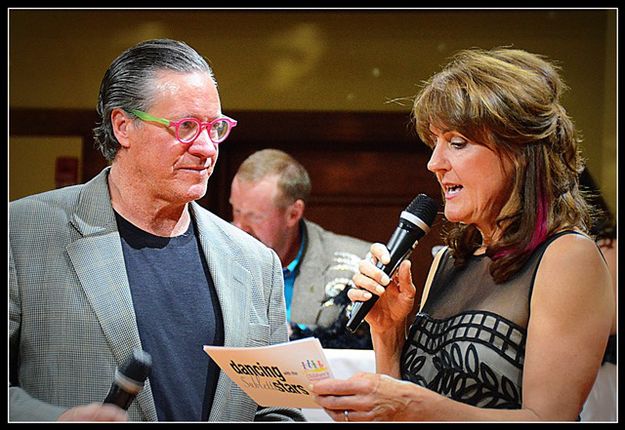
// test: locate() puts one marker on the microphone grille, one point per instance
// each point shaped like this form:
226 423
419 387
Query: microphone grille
423 207
137 367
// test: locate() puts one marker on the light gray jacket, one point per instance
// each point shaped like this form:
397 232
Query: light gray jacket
328 264
71 316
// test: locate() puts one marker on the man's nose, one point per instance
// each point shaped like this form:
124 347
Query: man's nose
203 146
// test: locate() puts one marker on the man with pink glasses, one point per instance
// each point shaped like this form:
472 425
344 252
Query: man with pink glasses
129 260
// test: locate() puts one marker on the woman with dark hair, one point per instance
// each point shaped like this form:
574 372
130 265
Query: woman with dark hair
497 336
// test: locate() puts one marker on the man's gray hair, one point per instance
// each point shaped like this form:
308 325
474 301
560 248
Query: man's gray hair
129 82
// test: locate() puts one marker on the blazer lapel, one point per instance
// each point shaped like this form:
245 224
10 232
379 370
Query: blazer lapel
98 260
232 283
231 280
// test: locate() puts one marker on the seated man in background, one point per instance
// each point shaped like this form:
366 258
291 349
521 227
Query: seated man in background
268 198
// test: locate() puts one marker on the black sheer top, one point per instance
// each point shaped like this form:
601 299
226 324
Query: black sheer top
468 341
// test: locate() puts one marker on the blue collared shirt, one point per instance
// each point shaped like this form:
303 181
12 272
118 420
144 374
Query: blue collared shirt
289 272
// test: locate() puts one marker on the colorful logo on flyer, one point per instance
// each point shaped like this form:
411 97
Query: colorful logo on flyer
315 370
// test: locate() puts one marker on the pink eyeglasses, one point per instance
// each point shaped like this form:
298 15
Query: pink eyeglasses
188 129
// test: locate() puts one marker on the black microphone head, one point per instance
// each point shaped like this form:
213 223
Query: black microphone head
423 207
137 367
414 223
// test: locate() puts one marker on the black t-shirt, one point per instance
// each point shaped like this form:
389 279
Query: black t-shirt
177 312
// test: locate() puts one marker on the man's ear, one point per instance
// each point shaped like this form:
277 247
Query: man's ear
295 212
121 124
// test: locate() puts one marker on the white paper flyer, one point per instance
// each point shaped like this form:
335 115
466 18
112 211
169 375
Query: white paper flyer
275 375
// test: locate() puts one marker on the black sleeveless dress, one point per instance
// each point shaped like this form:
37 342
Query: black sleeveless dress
468 341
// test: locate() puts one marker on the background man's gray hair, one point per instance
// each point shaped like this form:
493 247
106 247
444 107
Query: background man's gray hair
293 180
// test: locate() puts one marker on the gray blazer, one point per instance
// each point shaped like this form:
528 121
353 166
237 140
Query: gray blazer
71 316
328 263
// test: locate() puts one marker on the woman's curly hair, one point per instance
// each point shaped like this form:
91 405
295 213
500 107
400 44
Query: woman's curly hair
509 100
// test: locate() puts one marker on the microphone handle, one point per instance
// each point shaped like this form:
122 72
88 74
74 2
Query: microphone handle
118 396
361 309
123 390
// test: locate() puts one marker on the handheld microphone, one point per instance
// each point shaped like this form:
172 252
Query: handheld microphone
414 223
129 379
